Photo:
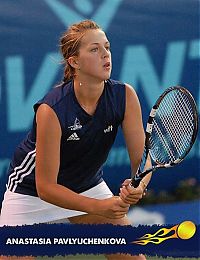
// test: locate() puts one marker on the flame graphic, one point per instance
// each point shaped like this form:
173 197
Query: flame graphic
185 230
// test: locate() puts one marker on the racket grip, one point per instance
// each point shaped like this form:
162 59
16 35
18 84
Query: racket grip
139 176
135 181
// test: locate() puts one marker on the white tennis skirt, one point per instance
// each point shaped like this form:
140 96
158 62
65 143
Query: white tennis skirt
19 209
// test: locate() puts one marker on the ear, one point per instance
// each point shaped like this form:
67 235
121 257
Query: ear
73 62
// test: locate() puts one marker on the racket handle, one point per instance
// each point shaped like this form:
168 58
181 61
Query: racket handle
135 181
138 177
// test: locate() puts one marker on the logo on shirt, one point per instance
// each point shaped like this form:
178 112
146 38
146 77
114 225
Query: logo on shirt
76 126
73 137
108 129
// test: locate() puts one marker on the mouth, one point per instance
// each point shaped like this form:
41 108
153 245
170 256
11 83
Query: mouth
107 65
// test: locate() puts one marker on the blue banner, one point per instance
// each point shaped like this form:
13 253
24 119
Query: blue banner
180 240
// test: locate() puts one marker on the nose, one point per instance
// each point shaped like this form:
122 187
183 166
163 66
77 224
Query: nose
106 53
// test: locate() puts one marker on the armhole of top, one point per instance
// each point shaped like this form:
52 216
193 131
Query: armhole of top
124 104
36 106
125 90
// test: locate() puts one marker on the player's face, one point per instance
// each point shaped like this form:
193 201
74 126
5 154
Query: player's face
94 55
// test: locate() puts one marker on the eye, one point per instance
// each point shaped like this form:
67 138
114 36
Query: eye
107 48
94 49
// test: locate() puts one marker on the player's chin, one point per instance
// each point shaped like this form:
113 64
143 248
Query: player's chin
105 74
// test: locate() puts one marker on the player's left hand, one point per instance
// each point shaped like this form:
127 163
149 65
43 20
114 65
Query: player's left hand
130 194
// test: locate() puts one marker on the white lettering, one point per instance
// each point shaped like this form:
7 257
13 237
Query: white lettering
28 241
89 241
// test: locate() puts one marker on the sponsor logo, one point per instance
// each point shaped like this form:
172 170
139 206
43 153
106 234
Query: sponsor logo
76 126
73 137
108 129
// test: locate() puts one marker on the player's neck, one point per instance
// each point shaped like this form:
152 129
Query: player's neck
88 94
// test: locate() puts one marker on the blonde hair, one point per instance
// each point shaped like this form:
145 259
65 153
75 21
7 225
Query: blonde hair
70 44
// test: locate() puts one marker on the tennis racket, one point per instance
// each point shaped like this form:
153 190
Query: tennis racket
170 132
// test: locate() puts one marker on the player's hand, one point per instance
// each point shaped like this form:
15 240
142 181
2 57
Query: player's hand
130 194
113 207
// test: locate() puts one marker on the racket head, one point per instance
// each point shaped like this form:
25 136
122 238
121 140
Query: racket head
172 126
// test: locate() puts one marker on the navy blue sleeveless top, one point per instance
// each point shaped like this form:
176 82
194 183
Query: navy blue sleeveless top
85 142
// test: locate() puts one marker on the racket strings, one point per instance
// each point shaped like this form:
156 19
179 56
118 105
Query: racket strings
186 121
160 146
161 140
188 112
168 126
179 139
179 122
173 127
182 120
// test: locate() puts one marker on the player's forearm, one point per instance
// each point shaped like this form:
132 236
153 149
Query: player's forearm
61 196
145 181
147 178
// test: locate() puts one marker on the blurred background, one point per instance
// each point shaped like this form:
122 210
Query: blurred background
155 44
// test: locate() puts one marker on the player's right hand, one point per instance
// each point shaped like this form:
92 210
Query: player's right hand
113 207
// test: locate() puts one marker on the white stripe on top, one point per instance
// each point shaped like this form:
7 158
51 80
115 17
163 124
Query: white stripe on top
21 171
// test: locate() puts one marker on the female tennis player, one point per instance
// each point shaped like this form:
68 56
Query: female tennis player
56 172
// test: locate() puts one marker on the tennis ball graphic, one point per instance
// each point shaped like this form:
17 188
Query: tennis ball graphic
186 230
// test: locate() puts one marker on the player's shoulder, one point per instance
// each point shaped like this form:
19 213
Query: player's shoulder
132 99
56 95
130 90
123 87
116 87
59 91
115 83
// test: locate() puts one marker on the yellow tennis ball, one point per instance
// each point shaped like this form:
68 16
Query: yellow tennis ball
186 230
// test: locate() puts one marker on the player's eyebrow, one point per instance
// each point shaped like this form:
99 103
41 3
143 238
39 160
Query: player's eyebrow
97 43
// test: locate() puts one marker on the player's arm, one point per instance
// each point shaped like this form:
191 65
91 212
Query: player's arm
134 137
47 168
